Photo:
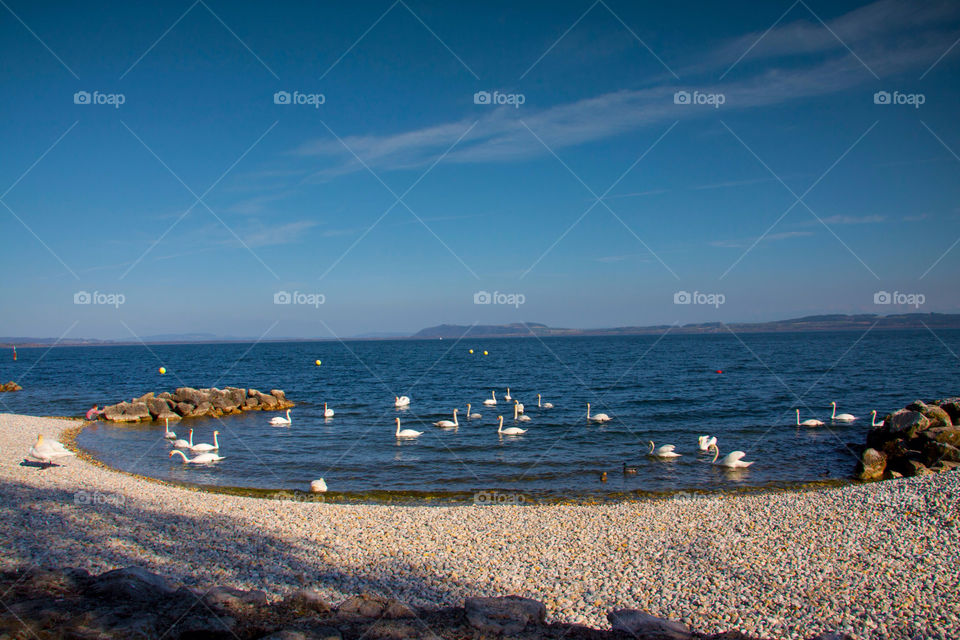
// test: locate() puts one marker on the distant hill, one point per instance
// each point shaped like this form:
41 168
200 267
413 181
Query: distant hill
833 322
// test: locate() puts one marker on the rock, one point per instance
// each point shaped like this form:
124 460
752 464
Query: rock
130 583
232 599
306 601
237 396
643 626
917 405
938 417
10 387
166 395
144 398
64 582
947 435
289 634
508 615
251 403
391 630
191 395
184 408
167 415
204 409
127 412
156 406
363 606
916 468
871 465
952 407
905 423
396 609
938 451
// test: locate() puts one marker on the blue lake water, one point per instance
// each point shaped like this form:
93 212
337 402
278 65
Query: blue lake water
666 390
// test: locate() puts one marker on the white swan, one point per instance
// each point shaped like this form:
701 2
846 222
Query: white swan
47 451
170 435
279 422
519 406
808 423
706 442
509 431
327 413
180 443
518 416
492 400
600 417
407 433
732 460
545 405
401 401
447 424
663 451
843 417
318 486
508 397
203 458
873 419
472 416
204 448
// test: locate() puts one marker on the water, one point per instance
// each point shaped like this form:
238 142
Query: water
666 390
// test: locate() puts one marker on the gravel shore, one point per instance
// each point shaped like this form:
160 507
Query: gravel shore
876 561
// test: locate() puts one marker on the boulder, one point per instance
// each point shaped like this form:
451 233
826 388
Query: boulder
935 452
156 406
938 417
643 626
508 615
166 395
167 415
237 396
871 465
363 606
947 435
131 583
191 395
184 408
10 386
916 468
952 407
306 601
126 412
204 409
144 397
232 600
905 423
251 403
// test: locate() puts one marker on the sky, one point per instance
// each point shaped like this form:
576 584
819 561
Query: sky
291 169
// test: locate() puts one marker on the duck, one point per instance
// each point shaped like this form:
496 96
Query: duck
629 470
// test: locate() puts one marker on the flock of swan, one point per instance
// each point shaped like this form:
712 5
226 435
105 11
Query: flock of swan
206 453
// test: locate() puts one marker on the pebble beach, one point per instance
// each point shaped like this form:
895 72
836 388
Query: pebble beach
878 560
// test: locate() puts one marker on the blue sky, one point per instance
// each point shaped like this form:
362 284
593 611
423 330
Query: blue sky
598 199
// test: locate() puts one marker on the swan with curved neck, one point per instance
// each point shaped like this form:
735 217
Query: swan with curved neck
204 448
706 442
517 416
841 417
278 421
509 431
599 417
663 451
327 413
545 405
733 460
407 433
401 401
203 458
47 451
447 424
808 423
169 435
492 400
873 419
472 416
180 443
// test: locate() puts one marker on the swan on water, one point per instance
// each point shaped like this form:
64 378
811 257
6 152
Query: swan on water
47 451
706 442
518 416
407 433
204 448
545 405
169 435
203 458
508 397
599 417
732 460
180 443
873 419
447 424
327 413
278 421
808 423
492 400
472 416
519 406
663 451
841 417
509 431
401 401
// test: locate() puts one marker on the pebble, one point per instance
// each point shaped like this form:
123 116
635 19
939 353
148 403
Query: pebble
787 564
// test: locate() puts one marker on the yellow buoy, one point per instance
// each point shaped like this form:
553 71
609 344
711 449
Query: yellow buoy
163 370
318 363
471 350
484 353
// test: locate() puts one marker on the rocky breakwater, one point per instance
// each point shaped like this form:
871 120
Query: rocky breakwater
919 439
187 402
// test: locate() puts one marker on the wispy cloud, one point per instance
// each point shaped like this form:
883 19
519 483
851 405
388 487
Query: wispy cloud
622 258
843 219
770 237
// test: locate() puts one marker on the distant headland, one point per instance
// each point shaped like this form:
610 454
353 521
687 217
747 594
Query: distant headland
833 322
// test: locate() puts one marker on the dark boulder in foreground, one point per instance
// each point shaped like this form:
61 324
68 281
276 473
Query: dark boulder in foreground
917 440
187 402
135 603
